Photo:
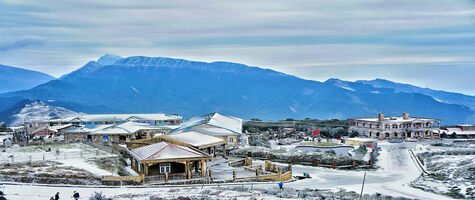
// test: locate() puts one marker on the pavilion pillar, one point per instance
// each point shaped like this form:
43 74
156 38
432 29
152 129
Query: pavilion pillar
195 165
187 168
146 169
225 153
203 168
214 151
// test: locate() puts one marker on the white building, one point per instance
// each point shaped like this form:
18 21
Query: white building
462 131
395 127
101 119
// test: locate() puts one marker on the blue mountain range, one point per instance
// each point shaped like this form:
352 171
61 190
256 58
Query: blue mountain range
141 84
13 78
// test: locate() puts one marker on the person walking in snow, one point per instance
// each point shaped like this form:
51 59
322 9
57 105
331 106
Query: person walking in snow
76 195
2 196
281 185
56 197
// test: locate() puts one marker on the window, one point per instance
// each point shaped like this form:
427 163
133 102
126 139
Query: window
165 168
231 139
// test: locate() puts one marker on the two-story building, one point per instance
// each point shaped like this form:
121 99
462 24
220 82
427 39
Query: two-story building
404 126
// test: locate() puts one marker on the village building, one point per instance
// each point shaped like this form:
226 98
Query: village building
116 133
404 126
98 119
222 126
462 131
201 141
164 160
44 131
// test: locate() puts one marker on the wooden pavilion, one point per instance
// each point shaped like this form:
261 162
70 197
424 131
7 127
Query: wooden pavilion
165 158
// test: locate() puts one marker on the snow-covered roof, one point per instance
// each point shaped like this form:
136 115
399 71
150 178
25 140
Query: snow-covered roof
226 121
86 128
459 131
196 139
57 128
220 124
215 131
165 151
119 128
118 117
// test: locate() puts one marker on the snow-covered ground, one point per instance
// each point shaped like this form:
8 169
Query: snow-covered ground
76 155
396 171
37 111
393 176
452 166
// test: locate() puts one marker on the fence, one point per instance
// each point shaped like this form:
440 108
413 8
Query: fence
48 156
351 163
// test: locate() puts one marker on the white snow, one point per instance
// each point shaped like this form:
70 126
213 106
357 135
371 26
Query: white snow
40 111
195 138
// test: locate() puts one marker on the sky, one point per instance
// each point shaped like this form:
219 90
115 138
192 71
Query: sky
425 43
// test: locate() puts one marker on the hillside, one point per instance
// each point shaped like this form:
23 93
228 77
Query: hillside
13 79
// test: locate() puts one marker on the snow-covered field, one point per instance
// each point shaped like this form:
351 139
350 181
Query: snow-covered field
392 178
452 167
77 155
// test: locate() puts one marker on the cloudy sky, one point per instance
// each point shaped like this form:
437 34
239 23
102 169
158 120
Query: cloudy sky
426 43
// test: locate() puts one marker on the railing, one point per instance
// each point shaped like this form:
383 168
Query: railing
24 157
177 176
156 178
121 178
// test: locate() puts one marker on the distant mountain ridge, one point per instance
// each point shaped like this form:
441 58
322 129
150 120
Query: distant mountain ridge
439 95
139 84
13 78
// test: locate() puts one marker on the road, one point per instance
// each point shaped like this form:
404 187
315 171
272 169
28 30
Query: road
396 171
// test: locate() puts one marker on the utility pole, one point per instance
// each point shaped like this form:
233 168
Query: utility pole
362 186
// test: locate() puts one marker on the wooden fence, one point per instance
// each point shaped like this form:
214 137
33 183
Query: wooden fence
122 178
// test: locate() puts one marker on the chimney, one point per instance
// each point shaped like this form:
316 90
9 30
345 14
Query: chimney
405 115
381 117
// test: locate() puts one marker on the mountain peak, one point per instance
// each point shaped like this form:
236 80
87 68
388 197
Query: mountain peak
108 59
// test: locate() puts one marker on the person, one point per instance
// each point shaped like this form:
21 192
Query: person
56 197
2 196
76 195
52 198
281 185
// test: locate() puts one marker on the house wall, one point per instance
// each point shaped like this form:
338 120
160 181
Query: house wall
112 138
74 136
175 168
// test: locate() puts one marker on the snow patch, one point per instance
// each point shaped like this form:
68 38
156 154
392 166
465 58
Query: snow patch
39 111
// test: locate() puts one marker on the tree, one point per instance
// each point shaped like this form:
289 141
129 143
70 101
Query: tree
256 119
289 119
454 135
354 134
443 135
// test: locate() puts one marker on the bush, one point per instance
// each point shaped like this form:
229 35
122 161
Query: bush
98 196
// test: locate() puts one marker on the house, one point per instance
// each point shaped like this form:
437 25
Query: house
116 133
45 131
462 131
169 159
404 126
226 127
98 119
201 141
